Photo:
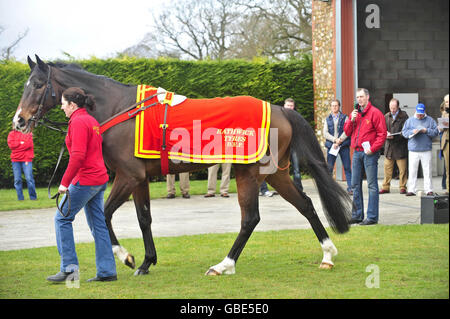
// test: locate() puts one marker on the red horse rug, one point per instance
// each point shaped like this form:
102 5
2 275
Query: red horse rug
219 130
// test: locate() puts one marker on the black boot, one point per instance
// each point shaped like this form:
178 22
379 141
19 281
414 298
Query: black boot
109 278
60 277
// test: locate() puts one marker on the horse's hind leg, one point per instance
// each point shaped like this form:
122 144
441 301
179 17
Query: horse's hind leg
141 198
120 192
248 187
282 182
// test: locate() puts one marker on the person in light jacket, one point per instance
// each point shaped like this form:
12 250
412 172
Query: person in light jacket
444 139
420 131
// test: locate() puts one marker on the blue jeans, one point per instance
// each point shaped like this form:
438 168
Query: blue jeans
91 198
27 169
263 187
344 153
370 164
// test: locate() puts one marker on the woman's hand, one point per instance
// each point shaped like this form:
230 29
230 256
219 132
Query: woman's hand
62 189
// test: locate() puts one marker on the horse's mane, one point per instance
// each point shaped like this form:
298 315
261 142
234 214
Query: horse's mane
78 68
63 65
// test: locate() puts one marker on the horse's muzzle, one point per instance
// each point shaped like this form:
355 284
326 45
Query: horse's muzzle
24 126
20 124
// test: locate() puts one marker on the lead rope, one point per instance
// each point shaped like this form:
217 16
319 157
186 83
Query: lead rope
67 198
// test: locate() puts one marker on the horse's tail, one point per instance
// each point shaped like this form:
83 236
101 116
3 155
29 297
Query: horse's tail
336 203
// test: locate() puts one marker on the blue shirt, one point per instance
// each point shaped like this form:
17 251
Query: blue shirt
421 142
335 117
395 115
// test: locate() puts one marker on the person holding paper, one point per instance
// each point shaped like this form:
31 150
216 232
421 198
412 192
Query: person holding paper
337 142
367 128
420 131
395 147
444 137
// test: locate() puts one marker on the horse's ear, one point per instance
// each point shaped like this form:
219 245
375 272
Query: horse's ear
41 64
31 63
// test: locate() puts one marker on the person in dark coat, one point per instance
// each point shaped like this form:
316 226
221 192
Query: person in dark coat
395 148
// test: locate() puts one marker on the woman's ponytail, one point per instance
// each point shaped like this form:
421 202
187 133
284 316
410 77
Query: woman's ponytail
79 97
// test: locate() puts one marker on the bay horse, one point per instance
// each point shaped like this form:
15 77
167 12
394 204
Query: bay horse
43 91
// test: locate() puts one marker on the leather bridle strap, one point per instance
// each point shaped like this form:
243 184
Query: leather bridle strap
36 117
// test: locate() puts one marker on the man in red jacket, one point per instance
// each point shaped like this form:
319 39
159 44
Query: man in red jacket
367 128
22 154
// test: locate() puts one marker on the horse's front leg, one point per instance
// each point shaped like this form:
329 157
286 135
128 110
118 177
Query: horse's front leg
248 188
141 196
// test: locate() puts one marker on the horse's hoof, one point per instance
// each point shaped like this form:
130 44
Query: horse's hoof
129 261
326 266
212 272
141 272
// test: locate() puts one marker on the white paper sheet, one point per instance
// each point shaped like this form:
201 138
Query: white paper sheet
334 151
442 122
366 146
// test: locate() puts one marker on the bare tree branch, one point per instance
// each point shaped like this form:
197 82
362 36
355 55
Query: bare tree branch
221 29
292 21
6 52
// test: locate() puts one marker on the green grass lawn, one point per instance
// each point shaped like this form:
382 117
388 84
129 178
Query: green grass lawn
413 262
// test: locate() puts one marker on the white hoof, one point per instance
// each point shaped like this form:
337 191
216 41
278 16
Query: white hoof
226 267
326 266
329 251
124 256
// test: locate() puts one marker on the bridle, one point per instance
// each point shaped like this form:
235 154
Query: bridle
36 118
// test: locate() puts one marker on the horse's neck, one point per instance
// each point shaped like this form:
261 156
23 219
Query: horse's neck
112 100
110 97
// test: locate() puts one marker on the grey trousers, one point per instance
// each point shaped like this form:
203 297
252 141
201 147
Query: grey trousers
212 178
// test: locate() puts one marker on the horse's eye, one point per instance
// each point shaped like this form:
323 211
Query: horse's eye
37 85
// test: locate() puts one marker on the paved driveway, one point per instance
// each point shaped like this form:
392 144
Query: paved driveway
197 215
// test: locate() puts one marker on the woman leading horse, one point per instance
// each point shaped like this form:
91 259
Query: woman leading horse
85 179
45 86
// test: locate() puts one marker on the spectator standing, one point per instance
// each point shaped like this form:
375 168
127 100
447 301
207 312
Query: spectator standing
367 129
335 137
420 131
395 148
444 139
289 103
184 185
224 182
264 190
22 154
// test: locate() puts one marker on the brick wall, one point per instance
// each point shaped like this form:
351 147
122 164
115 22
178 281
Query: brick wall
323 50
409 53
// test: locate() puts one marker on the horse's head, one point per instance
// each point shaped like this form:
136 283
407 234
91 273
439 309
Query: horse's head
37 98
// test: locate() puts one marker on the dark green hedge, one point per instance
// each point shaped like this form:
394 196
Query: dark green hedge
273 82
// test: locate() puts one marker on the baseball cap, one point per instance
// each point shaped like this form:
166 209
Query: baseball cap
420 108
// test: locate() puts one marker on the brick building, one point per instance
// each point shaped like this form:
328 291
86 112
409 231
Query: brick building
391 47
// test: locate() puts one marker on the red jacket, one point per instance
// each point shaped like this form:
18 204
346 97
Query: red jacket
369 126
21 145
84 143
